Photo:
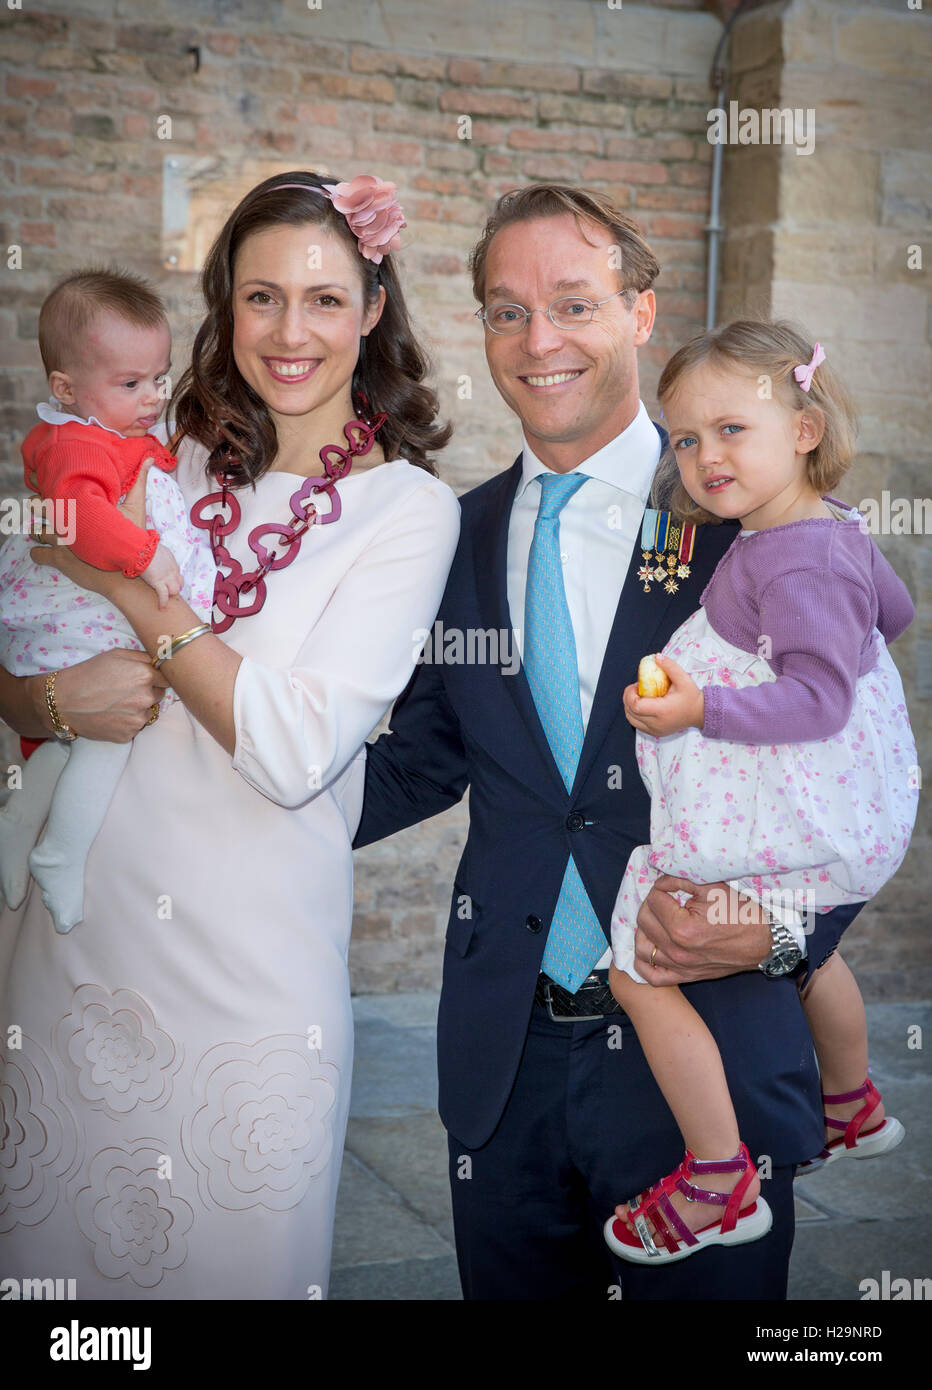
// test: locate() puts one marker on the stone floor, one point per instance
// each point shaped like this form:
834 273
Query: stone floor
394 1234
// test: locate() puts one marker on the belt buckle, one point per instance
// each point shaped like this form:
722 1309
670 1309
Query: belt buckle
565 1018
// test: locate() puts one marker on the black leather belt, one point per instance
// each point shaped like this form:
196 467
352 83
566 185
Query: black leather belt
592 1000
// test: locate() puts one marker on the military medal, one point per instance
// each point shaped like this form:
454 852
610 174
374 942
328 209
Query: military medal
666 548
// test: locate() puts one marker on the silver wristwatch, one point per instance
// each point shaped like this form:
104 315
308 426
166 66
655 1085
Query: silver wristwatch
785 954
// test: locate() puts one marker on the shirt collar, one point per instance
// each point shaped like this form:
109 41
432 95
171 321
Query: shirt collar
627 462
51 412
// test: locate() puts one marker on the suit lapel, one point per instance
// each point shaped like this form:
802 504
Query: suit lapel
644 623
638 618
491 553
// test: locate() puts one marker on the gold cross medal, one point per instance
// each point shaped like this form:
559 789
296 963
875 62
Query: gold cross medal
666 548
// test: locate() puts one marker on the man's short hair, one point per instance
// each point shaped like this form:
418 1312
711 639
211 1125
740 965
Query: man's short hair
638 267
75 302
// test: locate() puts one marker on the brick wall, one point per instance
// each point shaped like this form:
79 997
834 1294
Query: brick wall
84 89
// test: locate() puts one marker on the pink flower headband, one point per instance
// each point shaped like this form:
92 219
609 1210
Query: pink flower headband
369 206
806 370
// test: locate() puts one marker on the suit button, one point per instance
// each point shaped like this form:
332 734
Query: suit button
575 821
533 923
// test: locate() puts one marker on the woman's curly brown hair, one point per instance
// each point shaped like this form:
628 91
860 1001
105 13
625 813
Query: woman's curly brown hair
216 407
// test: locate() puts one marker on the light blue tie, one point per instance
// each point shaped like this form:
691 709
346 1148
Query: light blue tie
576 941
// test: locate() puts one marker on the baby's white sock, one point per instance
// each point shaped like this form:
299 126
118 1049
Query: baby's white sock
84 792
24 814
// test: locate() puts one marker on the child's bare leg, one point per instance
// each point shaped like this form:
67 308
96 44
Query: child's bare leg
686 1064
685 1061
835 1013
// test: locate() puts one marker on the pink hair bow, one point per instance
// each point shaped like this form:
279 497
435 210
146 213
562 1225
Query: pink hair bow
806 370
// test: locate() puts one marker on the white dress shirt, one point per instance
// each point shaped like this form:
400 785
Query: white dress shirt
598 530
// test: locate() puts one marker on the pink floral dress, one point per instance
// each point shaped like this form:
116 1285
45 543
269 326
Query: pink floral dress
47 622
805 826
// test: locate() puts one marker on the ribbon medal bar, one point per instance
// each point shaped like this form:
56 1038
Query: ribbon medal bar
666 548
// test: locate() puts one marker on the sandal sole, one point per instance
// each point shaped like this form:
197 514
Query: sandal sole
880 1141
752 1227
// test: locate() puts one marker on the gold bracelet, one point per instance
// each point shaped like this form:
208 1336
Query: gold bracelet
63 731
182 641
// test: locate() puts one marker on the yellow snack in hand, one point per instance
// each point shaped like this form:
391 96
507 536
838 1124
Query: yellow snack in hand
652 681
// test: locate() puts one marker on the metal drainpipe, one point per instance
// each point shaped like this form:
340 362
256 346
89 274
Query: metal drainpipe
714 226
718 81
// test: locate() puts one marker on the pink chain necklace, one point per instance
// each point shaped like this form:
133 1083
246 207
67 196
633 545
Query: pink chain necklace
231 587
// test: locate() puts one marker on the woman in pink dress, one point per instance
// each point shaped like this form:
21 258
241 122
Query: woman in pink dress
176 1093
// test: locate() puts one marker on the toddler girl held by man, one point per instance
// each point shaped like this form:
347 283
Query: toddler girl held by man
780 760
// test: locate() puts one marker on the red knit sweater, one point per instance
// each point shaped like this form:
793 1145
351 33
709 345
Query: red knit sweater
95 467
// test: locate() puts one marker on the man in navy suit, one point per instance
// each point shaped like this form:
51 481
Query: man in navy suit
552 1114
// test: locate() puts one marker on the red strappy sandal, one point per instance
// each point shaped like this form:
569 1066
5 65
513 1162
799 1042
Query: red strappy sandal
630 1237
856 1142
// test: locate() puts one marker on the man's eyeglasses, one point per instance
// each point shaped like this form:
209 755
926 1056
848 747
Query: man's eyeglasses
569 312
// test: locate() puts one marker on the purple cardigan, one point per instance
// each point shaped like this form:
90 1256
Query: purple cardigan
816 589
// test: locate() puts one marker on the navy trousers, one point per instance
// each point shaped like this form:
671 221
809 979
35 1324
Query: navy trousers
529 1206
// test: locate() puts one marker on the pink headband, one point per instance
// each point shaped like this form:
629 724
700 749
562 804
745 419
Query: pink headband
806 370
369 206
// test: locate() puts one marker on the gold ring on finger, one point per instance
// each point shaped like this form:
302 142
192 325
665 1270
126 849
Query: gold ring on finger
154 715
652 954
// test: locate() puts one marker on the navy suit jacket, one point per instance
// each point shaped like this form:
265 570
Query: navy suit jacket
459 725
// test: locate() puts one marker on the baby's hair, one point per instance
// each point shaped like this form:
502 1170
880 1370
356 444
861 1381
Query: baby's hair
75 302
763 349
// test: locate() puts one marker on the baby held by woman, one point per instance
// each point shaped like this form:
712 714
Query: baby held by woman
106 347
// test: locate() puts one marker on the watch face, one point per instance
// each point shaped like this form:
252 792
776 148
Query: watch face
784 959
